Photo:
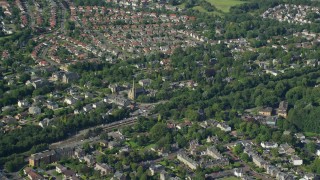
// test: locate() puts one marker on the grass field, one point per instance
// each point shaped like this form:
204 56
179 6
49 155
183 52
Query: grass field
224 5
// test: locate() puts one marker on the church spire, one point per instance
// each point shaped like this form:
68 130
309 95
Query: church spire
132 92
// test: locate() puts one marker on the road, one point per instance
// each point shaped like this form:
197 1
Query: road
63 17
79 138
43 55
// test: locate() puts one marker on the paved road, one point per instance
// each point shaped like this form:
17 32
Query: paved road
63 17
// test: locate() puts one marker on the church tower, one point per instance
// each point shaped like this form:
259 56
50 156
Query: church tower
132 92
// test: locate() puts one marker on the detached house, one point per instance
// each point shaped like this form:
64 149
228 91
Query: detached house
265 111
224 127
23 103
104 169
69 77
283 108
34 110
296 160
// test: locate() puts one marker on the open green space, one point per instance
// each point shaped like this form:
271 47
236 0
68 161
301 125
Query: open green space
225 5
222 5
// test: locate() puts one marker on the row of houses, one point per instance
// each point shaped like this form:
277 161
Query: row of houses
270 169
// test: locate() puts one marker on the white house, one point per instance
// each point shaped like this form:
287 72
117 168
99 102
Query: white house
296 160
23 103
70 101
34 110
238 172
60 168
224 127
300 136
269 145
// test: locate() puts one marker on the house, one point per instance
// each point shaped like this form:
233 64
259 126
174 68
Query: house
283 109
23 103
88 95
258 161
98 104
286 149
286 133
118 100
70 101
155 169
181 156
8 108
271 120
296 160
45 157
300 136
45 122
272 72
52 105
87 108
60 168
265 111
118 176
103 143
309 176
272 170
116 135
184 124
224 127
70 77
113 144
69 174
22 115
50 156
78 153
32 174
104 169
89 159
238 172
269 145
9 120
284 176
213 152
145 82
37 83
34 110
164 175
114 88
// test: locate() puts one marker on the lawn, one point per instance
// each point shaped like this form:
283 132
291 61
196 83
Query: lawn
224 5
311 134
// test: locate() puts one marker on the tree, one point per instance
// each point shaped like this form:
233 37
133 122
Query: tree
182 141
238 149
275 152
311 147
245 157
158 131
